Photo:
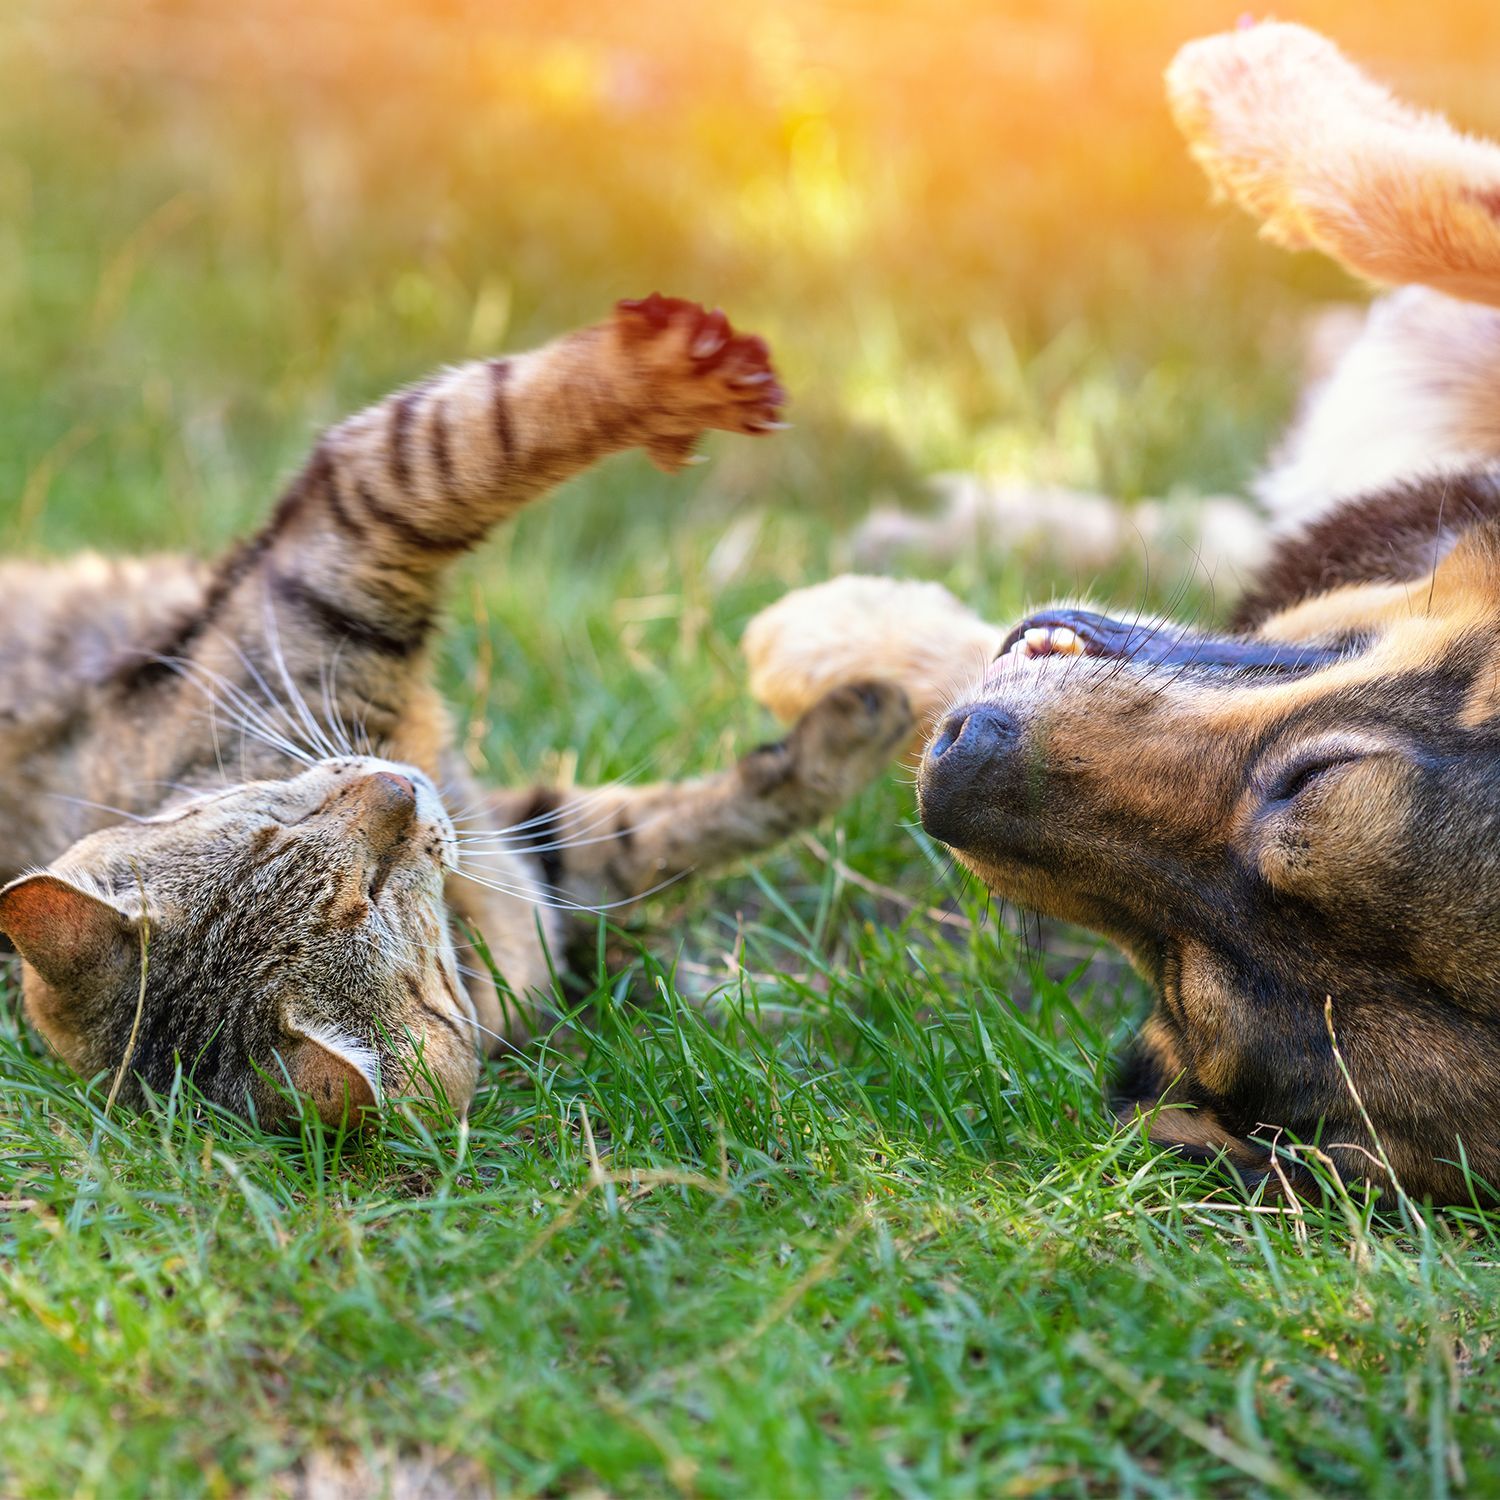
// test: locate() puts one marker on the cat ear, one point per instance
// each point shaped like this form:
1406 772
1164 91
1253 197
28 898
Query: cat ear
339 1075
66 934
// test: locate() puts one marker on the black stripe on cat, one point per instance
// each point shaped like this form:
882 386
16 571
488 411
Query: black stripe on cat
405 409
414 536
505 432
539 822
345 519
335 621
442 458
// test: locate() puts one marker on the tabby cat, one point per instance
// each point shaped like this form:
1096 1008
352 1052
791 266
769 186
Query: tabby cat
201 871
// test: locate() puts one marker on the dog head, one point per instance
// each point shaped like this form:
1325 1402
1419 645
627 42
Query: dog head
1264 822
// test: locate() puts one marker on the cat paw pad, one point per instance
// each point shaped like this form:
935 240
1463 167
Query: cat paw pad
699 373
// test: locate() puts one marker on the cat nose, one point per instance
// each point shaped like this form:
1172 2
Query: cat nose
386 806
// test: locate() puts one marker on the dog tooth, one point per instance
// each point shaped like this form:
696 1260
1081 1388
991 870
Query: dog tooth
1037 639
1066 640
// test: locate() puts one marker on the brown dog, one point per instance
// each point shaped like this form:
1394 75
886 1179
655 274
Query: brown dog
1292 829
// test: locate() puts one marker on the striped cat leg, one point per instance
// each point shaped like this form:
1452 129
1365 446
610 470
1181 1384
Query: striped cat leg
598 846
545 856
361 544
356 557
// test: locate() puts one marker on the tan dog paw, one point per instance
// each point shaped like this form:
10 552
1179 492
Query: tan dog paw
1283 123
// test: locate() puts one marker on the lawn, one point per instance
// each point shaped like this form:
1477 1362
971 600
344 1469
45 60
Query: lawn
814 1191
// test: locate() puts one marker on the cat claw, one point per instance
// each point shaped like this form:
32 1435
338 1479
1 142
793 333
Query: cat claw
699 373
711 337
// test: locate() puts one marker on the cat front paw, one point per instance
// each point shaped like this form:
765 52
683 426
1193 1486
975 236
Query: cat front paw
695 373
839 745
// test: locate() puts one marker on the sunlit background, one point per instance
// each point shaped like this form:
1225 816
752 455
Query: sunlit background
969 230
969 227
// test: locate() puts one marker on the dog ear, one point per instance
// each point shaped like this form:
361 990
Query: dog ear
339 1076
68 935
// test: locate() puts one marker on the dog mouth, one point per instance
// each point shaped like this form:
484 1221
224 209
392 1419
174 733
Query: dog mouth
1073 633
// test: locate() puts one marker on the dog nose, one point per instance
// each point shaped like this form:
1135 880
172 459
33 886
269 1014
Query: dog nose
966 749
387 804
972 736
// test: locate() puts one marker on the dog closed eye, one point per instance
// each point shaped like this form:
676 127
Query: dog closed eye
1312 771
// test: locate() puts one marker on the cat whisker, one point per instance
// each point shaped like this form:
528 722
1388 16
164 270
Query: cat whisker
562 903
479 1025
119 812
483 846
471 810
271 704
316 734
268 714
585 806
242 711
503 841
332 711
577 805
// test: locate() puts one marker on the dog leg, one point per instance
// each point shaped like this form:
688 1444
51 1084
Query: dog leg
1283 123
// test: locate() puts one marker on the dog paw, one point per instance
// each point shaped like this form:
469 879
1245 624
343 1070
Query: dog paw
695 372
1262 109
1283 123
854 629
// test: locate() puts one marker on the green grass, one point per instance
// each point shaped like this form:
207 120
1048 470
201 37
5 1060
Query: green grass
815 1192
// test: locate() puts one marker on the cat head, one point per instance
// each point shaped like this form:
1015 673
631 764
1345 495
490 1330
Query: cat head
278 932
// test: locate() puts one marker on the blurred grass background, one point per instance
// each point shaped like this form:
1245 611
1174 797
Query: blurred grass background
969 230
975 242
